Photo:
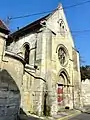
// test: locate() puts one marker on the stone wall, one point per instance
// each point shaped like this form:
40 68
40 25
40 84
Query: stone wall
32 92
86 92
85 88
11 74
76 80
2 45
27 93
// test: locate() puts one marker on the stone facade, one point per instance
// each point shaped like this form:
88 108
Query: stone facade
86 95
44 66
11 76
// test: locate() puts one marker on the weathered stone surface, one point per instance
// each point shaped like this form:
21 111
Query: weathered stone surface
86 95
11 76
51 81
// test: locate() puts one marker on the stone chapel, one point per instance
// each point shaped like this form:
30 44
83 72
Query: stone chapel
42 65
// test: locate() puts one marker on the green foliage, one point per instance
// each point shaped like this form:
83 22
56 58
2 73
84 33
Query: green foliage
85 72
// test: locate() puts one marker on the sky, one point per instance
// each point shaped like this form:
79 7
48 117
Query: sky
78 18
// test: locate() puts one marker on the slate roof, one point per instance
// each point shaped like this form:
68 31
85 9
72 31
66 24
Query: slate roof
34 26
3 27
28 28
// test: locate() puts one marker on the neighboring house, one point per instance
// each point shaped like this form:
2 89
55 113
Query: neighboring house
43 53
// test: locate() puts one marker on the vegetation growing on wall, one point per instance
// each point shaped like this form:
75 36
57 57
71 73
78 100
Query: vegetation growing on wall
85 72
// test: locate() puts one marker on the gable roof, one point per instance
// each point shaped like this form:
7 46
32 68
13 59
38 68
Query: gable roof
32 26
29 28
3 27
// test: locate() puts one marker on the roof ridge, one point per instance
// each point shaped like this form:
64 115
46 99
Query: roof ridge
3 25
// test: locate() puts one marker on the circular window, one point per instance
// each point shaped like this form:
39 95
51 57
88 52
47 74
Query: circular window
62 55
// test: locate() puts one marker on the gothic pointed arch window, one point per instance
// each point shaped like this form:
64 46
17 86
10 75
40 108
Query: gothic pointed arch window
35 51
62 27
27 53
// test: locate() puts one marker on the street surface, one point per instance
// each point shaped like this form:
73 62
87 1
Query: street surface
82 116
29 118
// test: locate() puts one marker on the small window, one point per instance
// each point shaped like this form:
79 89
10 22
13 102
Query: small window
35 51
62 27
27 52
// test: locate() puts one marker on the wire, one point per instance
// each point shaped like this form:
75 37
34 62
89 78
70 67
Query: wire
81 31
67 7
78 4
76 31
10 18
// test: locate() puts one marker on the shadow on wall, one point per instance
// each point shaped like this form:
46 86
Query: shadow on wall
24 116
9 97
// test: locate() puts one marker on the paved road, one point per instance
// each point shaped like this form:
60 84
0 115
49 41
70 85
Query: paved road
28 118
82 116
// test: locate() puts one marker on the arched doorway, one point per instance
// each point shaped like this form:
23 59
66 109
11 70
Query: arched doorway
63 90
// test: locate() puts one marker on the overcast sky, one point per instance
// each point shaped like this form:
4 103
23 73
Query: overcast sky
78 18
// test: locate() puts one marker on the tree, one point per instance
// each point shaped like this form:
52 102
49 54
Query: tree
85 72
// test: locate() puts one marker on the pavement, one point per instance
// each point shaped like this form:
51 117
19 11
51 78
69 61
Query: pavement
29 117
64 115
82 116
86 109
67 114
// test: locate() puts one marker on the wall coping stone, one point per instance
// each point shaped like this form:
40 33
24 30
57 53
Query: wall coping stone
15 56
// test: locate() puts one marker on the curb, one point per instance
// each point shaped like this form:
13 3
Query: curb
70 116
62 118
24 117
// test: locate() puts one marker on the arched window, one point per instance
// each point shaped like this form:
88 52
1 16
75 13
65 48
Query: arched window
35 51
62 55
27 52
65 76
62 27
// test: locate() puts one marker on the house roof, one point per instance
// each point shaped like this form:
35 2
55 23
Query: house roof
29 28
3 27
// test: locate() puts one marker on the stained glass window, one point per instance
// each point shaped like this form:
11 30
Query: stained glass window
62 56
